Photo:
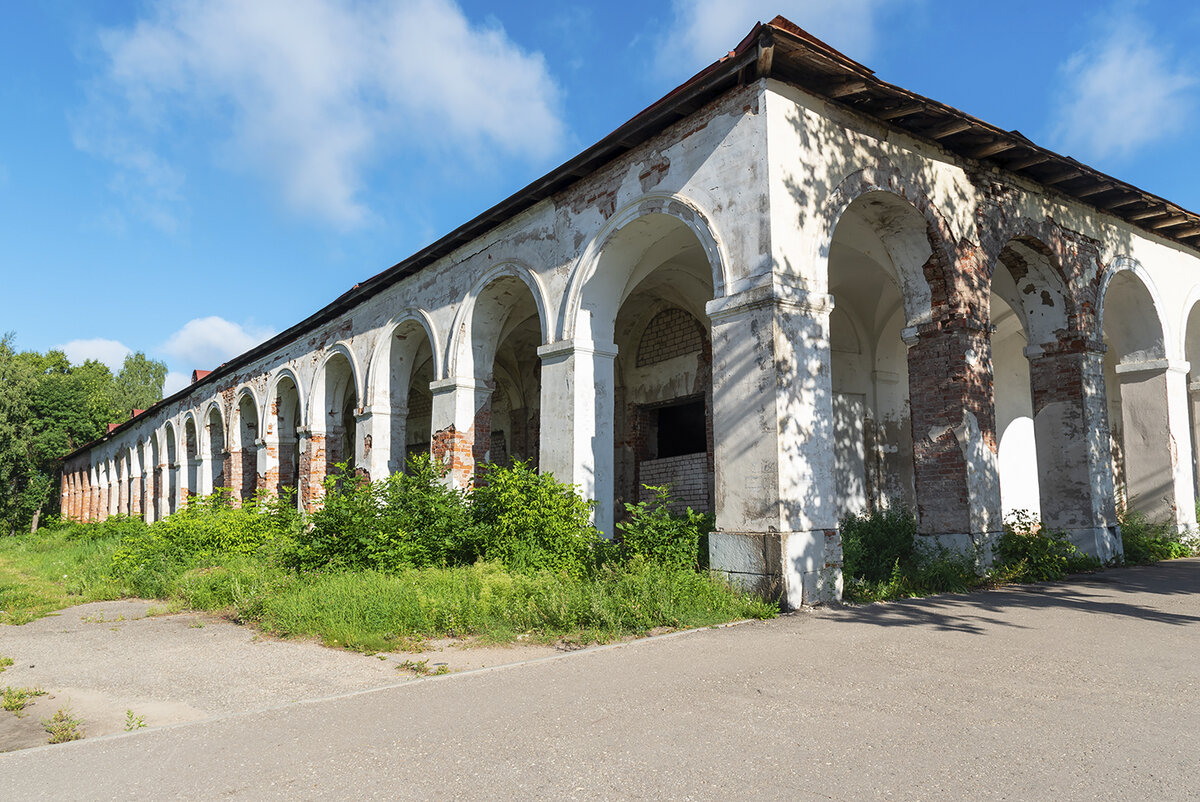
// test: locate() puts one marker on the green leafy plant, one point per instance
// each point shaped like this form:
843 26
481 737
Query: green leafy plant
529 521
14 700
1145 542
1028 552
133 722
655 534
5 662
62 727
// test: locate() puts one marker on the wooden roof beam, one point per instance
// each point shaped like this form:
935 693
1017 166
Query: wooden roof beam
1170 222
1128 200
1094 189
1029 161
949 129
903 110
1146 215
997 147
1067 175
846 89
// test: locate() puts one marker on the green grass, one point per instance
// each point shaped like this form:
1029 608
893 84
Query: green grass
367 610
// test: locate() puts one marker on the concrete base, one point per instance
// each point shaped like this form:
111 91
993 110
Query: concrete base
794 568
976 545
1103 543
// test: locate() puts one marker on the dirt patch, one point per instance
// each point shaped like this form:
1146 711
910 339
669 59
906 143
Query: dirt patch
112 662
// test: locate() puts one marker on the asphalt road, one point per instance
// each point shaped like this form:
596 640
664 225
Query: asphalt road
1088 689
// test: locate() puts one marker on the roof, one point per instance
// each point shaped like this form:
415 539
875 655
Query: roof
783 50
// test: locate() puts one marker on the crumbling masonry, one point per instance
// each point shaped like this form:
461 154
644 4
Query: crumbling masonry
789 290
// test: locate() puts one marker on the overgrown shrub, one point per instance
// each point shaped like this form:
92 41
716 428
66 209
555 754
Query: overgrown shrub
206 530
874 542
1028 552
410 519
530 521
655 534
1145 542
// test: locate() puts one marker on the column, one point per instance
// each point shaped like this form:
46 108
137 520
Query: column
462 427
1074 461
577 407
776 528
954 435
374 432
311 474
1157 440
122 475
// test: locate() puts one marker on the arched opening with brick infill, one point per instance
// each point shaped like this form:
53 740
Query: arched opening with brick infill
1147 403
487 408
637 373
191 457
244 479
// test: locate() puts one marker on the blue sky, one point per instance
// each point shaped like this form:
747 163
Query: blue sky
187 178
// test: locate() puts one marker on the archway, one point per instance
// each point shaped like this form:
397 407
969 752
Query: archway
334 410
216 452
191 451
172 468
283 445
244 458
1147 394
399 398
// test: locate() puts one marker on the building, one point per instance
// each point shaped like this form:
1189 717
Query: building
789 289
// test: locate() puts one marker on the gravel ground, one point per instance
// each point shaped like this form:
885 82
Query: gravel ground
103 659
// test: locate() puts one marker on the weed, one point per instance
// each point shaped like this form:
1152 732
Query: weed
5 662
99 618
14 700
654 533
421 668
133 722
1145 542
62 727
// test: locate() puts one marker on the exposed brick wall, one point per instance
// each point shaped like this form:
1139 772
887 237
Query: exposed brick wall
671 333
687 476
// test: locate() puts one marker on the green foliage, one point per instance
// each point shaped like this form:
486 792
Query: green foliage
48 408
1028 552
1145 542
62 727
409 519
874 542
530 521
655 534
207 530
14 700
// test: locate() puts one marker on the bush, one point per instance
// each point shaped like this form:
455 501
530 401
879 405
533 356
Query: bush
529 521
655 534
875 542
1146 543
1028 552
410 519
206 530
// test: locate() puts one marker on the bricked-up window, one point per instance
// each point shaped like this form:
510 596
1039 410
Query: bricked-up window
680 429
671 333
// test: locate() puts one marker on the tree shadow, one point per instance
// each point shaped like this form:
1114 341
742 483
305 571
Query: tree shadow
1094 594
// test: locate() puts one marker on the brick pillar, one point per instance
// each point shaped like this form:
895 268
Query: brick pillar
954 434
310 481
1071 432
1157 441
577 404
105 502
462 427
135 496
774 495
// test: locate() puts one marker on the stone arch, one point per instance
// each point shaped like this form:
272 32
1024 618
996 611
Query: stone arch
171 489
334 406
909 247
283 412
215 447
1146 389
244 439
1151 340
586 266
315 390
377 367
278 375
465 350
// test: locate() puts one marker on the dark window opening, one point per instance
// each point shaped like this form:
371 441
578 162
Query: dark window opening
680 429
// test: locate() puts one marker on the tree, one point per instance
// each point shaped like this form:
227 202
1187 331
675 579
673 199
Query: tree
139 382
49 408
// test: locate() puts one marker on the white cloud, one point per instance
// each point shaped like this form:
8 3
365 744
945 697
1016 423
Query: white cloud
175 382
206 342
1121 92
110 352
307 93
708 29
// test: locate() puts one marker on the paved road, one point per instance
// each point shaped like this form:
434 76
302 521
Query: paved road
1083 690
